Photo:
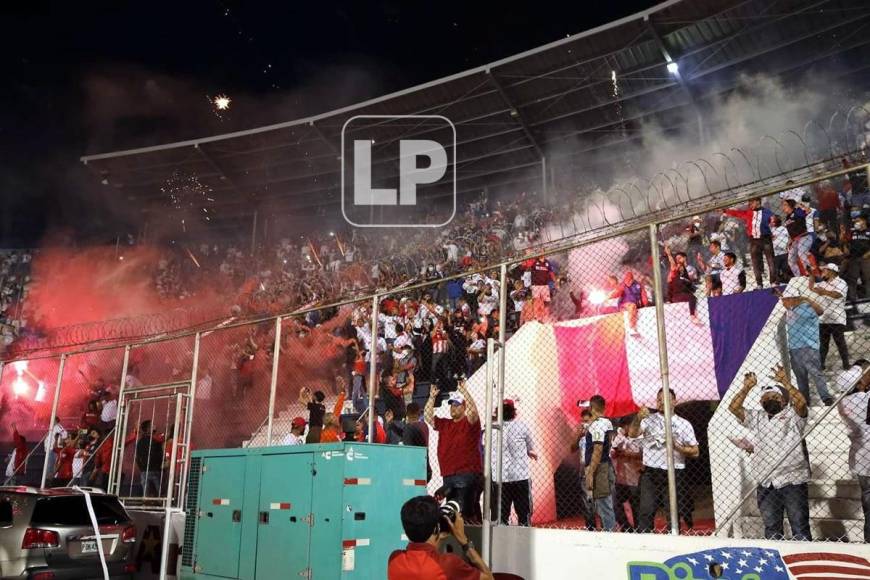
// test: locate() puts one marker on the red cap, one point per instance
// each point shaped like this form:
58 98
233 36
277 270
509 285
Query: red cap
298 422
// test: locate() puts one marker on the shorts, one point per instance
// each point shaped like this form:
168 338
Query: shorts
542 292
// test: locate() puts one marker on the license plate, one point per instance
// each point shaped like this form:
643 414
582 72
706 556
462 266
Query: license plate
89 547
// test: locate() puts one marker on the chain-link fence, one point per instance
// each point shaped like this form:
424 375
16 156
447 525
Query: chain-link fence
540 386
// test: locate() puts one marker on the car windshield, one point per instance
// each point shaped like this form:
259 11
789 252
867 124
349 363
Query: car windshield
72 511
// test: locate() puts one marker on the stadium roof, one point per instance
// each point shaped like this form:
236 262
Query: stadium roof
557 100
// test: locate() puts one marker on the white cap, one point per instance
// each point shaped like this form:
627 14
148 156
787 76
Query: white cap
832 268
456 398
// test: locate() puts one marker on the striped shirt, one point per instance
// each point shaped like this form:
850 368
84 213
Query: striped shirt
440 342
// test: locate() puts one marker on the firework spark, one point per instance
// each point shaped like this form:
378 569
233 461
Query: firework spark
222 102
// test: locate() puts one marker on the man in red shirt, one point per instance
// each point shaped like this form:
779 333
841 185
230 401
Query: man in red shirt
19 456
459 449
421 560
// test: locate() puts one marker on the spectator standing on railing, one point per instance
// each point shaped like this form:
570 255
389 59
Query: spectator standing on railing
681 282
854 408
780 249
517 449
800 259
650 427
780 466
757 220
459 448
543 274
600 478
628 457
832 291
802 331
630 296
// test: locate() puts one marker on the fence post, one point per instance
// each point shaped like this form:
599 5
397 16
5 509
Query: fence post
487 453
663 367
188 422
117 442
51 422
502 362
274 385
373 371
164 553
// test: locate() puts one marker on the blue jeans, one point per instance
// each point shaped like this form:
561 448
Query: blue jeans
465 489
150 483
799 252
791 500
805 362
603 506
864 482
358 394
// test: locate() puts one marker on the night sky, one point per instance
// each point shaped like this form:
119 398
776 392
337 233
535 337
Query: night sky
88 77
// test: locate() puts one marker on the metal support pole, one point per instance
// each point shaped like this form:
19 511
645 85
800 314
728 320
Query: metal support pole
666 386
273 387
164 553
487 453
188 422
254 235
117 442
373 370
52 422
544 177
502 361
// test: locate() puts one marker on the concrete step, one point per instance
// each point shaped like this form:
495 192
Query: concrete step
833 530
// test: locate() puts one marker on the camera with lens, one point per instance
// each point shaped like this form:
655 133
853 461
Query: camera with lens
449 509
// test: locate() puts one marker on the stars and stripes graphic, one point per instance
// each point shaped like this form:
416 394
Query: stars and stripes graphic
827 566
741 563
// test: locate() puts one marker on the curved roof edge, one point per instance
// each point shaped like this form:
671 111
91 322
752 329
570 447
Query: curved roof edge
320 116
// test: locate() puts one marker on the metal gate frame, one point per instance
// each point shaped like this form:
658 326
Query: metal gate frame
184 393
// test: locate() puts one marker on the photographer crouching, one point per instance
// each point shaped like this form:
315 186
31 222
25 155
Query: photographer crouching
427 525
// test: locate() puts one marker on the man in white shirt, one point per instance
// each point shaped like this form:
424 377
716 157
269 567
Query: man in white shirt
109 412
53 440
295 437
779 465
832 291
517 449
780 248
732 276
654 480
855 410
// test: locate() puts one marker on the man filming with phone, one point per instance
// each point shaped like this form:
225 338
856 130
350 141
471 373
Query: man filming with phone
424 521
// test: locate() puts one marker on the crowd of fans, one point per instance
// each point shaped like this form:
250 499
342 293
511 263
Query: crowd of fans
14 281
437 335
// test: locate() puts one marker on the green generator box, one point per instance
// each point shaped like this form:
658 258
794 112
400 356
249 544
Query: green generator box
323 512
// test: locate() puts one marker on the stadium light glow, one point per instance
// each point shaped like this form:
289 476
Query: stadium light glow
20 387
673 68
20 366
